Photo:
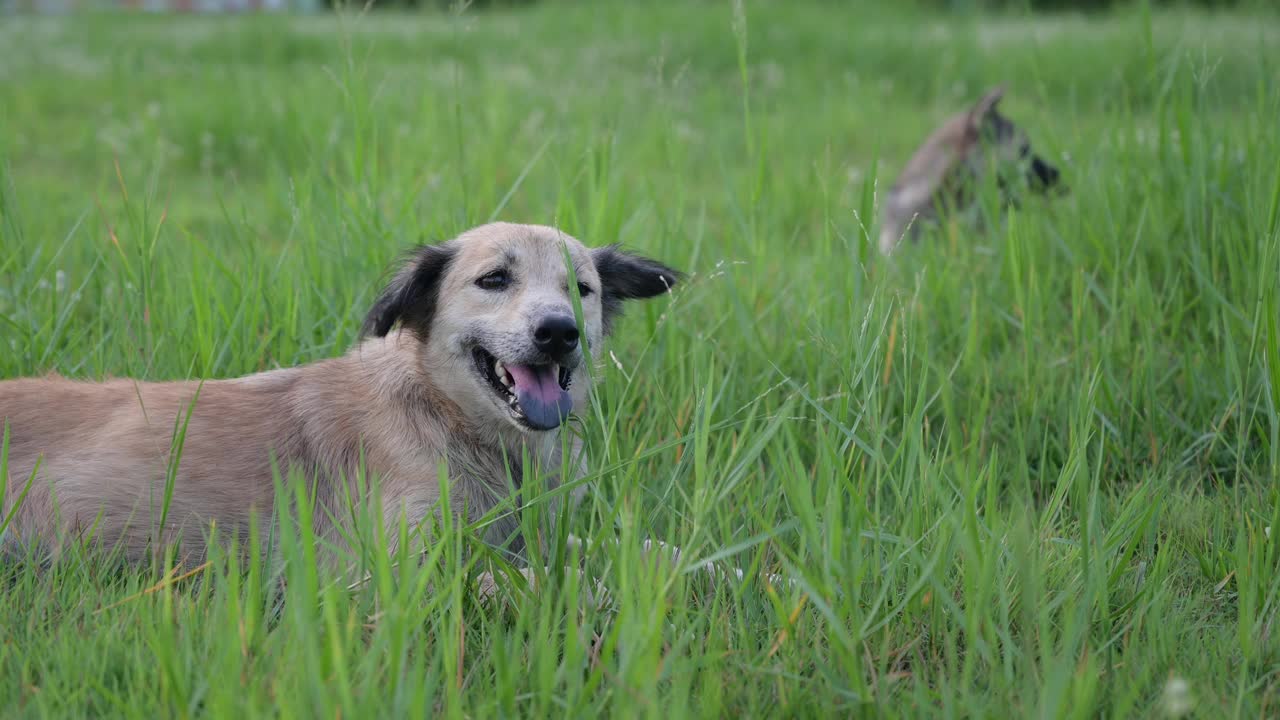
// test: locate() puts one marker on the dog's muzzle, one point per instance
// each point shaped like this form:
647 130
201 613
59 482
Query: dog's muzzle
1042 175
536 393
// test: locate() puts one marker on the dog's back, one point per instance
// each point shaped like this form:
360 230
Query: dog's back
912 197
115 446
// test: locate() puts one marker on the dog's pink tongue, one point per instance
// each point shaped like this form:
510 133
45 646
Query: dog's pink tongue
544 402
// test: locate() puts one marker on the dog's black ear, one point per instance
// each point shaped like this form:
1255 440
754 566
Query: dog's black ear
412 294
981 109
624 276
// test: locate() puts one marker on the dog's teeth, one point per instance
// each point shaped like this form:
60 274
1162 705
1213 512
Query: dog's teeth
501 371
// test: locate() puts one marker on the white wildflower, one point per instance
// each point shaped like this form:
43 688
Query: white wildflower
1176 698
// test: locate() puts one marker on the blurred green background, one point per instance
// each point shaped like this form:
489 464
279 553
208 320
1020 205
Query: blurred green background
1026 469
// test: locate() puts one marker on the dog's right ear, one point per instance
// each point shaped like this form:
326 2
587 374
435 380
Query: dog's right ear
412 294
979 112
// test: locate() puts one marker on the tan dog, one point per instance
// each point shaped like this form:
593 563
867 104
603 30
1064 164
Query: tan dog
941 174
472 355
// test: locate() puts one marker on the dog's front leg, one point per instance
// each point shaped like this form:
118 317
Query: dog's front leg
658 551
489 586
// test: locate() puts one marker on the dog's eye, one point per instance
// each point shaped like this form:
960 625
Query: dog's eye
496 280
584 290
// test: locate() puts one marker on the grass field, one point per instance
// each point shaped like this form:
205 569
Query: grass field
1021 472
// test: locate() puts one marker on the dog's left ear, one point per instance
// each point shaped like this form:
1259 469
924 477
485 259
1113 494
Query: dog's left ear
978 114
624 276
412 294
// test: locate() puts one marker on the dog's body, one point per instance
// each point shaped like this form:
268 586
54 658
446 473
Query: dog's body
106 450
942 172
471 356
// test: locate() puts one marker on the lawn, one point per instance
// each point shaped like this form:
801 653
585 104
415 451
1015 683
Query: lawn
1025 469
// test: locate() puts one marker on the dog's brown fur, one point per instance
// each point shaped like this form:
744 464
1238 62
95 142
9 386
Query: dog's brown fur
397 404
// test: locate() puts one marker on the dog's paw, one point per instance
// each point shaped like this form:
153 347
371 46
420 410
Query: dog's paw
493 588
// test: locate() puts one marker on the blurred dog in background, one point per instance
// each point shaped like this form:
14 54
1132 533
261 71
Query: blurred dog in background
943 174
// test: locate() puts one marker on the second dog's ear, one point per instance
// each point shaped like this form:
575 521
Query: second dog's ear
624 276
411 295
978 114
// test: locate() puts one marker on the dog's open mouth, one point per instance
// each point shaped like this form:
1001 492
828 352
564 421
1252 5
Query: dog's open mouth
537 395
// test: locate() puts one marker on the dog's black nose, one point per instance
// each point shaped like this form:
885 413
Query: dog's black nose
556 335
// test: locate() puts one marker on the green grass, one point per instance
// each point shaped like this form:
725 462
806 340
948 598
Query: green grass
1021 472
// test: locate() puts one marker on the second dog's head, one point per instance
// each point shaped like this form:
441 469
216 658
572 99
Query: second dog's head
990 131
494 311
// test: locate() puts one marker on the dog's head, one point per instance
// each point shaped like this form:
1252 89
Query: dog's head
998 135
494 311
